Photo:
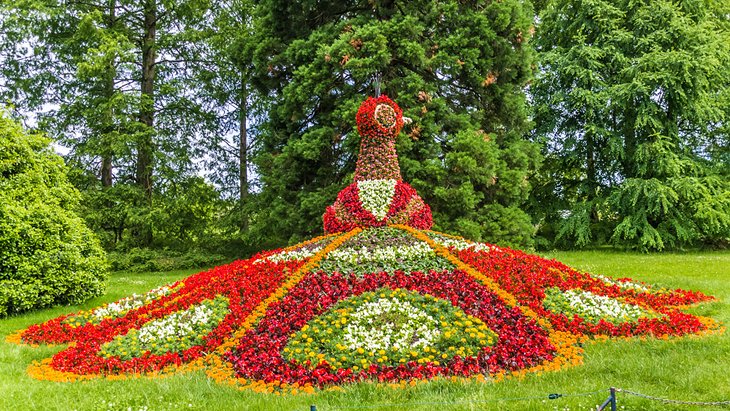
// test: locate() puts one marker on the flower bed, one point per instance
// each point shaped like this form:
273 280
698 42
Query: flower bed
261 353
376 196
109 348
118 308
380 300
387 303
405 207
388 327
592 307
177 332
530 278
383 249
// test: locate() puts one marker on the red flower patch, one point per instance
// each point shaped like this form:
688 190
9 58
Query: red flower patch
528 276
406 208
521 343
244 283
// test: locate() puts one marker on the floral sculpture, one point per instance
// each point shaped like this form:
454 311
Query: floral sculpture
379 196
380 298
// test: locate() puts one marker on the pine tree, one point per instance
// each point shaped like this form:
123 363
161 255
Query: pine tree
111 81
226 92
628 102
458 69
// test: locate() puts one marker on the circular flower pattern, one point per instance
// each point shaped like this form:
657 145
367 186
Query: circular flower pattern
301 338
389 323
388 327
385 115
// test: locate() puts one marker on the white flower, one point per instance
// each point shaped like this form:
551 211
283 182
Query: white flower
390 324
300 254
175 325
602 306
624 285
461 244
381 254
376 195
126 304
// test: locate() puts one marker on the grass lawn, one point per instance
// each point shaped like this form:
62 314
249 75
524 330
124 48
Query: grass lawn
691 368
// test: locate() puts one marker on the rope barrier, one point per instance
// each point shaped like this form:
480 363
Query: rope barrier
668 401
552 396
611 401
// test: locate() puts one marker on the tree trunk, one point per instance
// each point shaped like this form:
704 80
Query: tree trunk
590 165
243 151
107 150
106 171
147 110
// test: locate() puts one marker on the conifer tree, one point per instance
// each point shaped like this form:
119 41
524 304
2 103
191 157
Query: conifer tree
630 101
458 69
110 80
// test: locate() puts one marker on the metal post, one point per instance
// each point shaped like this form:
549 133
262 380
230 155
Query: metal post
610 401
613 399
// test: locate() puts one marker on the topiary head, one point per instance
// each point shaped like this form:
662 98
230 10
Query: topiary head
379 118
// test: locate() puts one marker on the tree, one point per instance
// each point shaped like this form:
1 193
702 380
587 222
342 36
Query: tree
458 69
226 92
628 101
116 89
47 255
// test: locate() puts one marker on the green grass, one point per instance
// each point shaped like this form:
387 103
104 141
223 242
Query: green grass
688 368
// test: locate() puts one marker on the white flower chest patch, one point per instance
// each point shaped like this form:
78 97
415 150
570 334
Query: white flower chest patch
376 195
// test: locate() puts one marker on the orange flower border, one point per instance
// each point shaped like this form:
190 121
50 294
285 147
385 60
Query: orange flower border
222 372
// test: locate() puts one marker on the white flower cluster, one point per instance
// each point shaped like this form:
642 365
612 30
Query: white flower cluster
176 325
463 244
300 254
126 304
602 306
390 324
624 285
381 254
376 195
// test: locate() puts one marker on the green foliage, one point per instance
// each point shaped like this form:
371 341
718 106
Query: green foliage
145 260
186 215
457 69
132 146
631 105
47 255
671 213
